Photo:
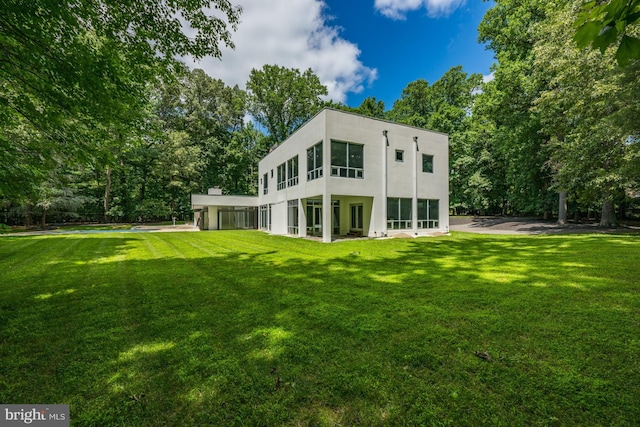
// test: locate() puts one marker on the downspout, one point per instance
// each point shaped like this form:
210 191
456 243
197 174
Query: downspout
414 202
385 144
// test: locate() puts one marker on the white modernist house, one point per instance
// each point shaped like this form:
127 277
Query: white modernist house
343 174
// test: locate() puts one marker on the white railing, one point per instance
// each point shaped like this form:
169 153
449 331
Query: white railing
314 174
292 181
402 224
427 223
346 172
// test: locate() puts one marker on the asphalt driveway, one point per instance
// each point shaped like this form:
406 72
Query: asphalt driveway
516 225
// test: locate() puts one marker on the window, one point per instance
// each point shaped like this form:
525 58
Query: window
428 213
314 162
399 156
347 159
282 176
236 218
265 184
265 217
292 171
292 217
314 217
427 163
399 214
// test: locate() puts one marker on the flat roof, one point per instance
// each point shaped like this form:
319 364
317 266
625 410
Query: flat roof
201 200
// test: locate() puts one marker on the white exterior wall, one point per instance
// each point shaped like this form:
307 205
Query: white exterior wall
307 136
381 179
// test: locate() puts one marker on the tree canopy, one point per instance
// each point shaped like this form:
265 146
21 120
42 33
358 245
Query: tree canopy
603 24
99 119
75 73
282 99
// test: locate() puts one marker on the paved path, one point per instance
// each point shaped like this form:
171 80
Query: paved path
89 230
506 225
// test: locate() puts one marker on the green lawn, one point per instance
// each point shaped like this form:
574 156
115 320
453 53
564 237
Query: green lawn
243 328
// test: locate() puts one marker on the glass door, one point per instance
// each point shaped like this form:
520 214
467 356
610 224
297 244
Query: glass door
356 217
314 217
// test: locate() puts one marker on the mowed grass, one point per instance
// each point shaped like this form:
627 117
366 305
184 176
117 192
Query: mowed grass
243 328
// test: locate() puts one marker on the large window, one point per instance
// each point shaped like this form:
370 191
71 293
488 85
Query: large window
314 162
265 217
292 217
314 217
237 218
347 159
427 163
292 171
399 214
282 176
265 183
428 213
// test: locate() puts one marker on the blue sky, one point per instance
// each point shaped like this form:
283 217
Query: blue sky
416 47
358 48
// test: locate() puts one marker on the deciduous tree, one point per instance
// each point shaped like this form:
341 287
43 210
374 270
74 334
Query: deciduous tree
283 99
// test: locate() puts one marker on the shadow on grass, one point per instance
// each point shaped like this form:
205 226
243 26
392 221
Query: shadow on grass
249 329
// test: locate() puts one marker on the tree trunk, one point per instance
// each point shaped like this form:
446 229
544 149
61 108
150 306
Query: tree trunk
107 194
562 208
27 216
43 221
608 217
125 193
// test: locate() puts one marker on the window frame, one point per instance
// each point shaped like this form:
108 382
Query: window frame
428 213
282 176
428 157
401 219
347 171
292 171
315 168
265 184
293 226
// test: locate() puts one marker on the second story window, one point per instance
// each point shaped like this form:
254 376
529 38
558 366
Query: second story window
292 171
282 176
347 159
427 163
265 184
399 156
314 162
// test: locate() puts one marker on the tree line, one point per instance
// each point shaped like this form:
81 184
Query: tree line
100 122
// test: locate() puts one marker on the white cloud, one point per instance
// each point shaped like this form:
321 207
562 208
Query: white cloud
397 9
487 77
292 34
